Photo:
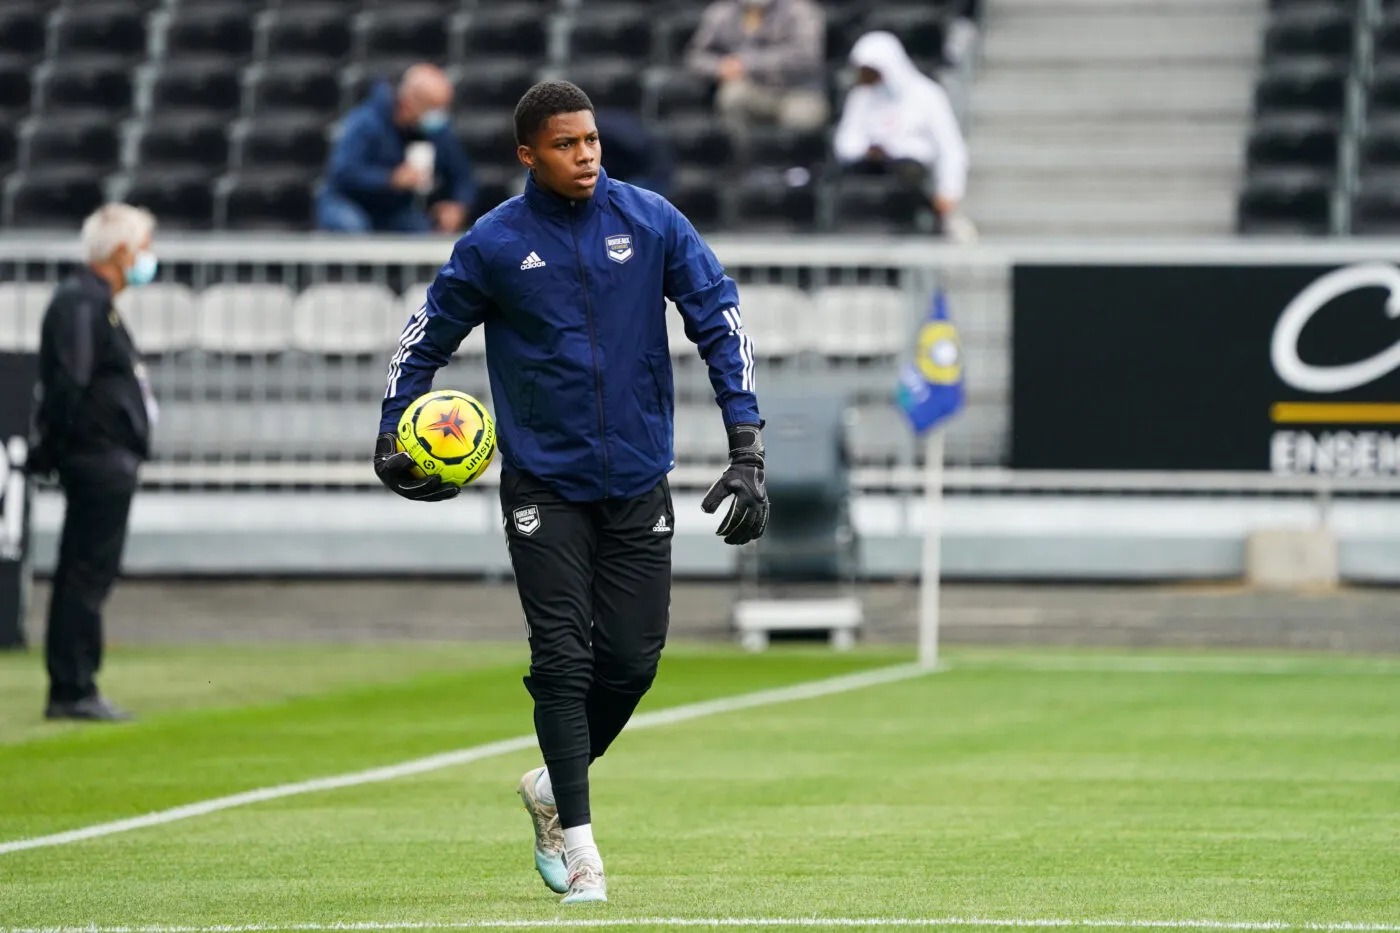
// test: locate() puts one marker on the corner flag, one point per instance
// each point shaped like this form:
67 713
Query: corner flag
931 385
930 392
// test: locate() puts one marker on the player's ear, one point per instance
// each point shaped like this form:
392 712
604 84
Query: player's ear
526 156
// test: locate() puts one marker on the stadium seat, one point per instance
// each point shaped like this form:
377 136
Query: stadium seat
1302 84
209 29
920 28
777 318
860 321
1383 96
1294 141
79 140
494 184
766 202
509 29
612 30
487 137
844 24
245 318
180 198
96 28
281 143
491 83
405 29
56 198
1376 207
678 92
698 139
86 84
9 149
183 142
16 89
783 148
675 30
22 30
609 83
267 201
294 87
877 203
346 319
161 317
1287 202
695 193
1380 148
308 31
210 85
1317 31
22 306
473 346
1387 35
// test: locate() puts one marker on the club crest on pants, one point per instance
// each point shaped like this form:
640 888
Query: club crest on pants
527 519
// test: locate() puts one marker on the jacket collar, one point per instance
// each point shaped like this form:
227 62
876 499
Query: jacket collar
543 201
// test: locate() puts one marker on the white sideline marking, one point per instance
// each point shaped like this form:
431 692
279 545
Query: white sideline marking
600 923
663 717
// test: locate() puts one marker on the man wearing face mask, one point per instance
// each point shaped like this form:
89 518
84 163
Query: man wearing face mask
396 153
95 416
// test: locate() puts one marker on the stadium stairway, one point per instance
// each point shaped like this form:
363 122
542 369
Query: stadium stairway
1112 117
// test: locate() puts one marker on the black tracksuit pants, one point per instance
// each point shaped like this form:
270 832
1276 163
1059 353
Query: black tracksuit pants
595 583
98 487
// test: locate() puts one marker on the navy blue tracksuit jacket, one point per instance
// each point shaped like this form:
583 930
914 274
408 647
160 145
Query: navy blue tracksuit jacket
573 298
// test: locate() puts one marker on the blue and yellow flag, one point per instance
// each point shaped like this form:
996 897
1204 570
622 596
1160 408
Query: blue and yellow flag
931 385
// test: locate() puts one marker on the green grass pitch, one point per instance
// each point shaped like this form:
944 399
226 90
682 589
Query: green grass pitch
1015 786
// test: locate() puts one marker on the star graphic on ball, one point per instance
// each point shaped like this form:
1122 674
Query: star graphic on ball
451 423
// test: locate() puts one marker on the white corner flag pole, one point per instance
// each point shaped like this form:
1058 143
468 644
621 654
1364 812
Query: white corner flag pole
932 558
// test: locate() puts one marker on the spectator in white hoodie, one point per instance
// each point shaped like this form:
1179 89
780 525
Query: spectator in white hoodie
899 121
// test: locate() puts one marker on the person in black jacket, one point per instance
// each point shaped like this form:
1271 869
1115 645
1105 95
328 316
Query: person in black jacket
93 429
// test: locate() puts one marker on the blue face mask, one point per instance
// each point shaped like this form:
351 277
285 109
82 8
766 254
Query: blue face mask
433 121
143 271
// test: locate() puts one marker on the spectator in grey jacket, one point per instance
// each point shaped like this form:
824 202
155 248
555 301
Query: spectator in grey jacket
767 57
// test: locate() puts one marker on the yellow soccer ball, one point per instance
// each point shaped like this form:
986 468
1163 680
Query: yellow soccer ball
448 434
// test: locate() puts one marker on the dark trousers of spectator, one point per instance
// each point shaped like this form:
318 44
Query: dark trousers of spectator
339 214
595 583
98 487
913 176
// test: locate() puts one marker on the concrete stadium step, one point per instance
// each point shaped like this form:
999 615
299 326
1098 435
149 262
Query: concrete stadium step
1031 155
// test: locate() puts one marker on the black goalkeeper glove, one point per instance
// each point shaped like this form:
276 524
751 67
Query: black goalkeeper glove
748 513
395 469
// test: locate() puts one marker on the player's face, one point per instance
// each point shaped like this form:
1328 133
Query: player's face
566 155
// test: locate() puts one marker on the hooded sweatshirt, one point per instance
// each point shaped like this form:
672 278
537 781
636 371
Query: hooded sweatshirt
907 114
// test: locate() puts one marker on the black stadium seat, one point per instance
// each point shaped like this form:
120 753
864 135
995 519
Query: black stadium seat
1295 141
765 202
675 31
1383 99
53 199
492 82
509 29
268 201
1287 202
697 139
782 148
97 28
303 87
314 30
183 142
407 29
209 29
1321 31
182 200
1380 150
1387 34
9 149
920 28
1376 208
283 144
22 30
1302 84
611 83
71 141
16 89
488 137
612 30
696 193
86 84
212 86
876 204
678 92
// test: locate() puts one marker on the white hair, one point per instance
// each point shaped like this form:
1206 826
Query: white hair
115 225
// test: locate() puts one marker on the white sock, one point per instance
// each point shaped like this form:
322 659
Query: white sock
578 844
544 788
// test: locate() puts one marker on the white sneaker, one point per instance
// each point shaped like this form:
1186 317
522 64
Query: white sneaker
586 884
549 837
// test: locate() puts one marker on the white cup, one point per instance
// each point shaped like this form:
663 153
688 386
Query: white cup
422 155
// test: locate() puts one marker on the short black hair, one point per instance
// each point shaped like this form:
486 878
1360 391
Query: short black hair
543 101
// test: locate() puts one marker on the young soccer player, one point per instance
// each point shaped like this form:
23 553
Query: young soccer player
570 281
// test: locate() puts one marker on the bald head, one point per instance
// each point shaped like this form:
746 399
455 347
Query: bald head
423 89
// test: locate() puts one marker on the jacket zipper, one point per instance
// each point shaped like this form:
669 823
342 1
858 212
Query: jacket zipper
593 345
